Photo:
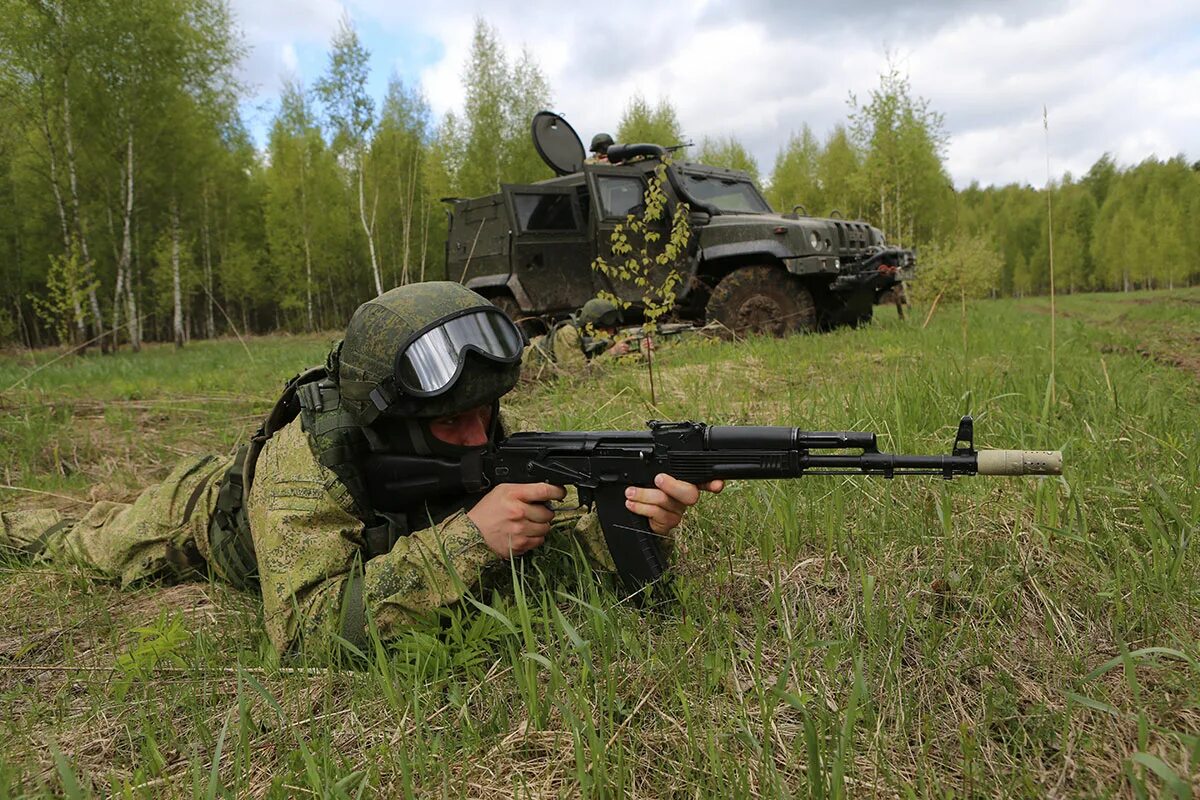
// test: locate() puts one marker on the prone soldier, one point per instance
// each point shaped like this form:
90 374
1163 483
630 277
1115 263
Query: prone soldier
421 372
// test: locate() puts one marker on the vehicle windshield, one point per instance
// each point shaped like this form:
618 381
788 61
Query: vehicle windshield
727 194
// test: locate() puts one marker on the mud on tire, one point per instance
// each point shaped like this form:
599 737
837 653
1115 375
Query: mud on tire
762 299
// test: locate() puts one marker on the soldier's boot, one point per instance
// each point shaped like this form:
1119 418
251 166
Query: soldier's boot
27 534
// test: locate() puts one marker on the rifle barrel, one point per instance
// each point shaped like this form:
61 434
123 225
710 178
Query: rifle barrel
764 437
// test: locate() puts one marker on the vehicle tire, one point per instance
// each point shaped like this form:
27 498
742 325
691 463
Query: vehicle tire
762 299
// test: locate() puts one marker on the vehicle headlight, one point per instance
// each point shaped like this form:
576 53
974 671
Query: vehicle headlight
814 240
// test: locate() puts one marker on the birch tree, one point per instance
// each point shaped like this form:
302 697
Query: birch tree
727 151
350 112
657 124
794 178
903 176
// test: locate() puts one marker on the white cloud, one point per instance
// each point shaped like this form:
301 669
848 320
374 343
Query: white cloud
273 29
288 57
1115 76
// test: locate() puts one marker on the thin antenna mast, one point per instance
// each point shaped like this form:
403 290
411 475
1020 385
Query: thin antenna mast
1050 235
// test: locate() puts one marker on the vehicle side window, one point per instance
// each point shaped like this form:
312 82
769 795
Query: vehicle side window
619 196
544 212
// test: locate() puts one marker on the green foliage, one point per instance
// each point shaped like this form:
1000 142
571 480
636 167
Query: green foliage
837 175
343 90
642 257
157 644
1116 228
643 123
161 290
401 174
308 233
903 180
491 143
823 637
794 180
68 282
966 265
728 152
118 114
8 326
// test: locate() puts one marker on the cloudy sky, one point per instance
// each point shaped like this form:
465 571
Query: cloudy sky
1115 76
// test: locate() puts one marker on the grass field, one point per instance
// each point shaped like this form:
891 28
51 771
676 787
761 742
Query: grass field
832 636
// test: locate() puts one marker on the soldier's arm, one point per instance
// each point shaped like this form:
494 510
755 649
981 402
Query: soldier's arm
309 545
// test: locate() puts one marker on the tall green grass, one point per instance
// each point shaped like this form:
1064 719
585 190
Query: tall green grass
823 638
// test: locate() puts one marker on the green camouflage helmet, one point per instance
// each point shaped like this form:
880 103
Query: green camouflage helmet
365 361
599 313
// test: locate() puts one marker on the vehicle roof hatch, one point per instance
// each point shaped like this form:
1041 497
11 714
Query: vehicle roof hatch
557 143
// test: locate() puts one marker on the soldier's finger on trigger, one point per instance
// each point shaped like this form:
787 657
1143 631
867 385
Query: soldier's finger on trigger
538 512
541 492
535 535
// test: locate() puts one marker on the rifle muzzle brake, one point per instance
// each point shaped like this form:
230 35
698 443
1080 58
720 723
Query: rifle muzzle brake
1020 462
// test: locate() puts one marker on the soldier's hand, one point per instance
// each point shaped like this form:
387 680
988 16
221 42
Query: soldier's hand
665 504
513 517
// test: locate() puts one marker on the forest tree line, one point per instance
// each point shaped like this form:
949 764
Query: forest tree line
135 205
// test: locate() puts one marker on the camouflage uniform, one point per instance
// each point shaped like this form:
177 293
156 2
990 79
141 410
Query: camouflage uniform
162 534
309 544
560 351
567 349
313 576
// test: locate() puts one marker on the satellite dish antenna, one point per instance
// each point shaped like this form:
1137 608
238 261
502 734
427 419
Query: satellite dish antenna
557 143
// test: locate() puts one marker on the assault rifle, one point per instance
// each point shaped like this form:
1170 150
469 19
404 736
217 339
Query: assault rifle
600 464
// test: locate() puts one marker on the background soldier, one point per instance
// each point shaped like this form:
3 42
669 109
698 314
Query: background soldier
599 149
573 343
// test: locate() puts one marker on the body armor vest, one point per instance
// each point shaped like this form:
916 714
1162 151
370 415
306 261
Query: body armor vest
336 440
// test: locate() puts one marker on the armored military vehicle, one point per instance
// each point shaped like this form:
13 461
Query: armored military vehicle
530 247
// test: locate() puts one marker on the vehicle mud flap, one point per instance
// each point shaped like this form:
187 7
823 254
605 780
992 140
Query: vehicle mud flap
635 549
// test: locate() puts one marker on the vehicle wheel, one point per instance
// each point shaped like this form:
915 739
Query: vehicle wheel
762 300
530 326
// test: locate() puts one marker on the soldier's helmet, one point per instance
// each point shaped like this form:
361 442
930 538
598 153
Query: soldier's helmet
426 350
600 313
600 143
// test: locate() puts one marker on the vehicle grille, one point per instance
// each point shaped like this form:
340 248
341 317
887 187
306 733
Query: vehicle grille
853 237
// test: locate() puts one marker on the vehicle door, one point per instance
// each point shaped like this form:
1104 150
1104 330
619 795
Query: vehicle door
551 257
477 244
616 193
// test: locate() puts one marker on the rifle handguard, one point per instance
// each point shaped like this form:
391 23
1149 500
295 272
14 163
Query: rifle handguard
1020 462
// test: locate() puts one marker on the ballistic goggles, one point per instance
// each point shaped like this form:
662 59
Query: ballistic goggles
430 362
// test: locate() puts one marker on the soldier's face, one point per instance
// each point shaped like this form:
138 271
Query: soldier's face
466 429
